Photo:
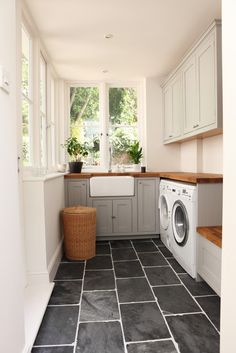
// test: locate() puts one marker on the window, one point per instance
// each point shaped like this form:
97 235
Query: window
26 87
52 136
98 130
122 122
84 120
43 110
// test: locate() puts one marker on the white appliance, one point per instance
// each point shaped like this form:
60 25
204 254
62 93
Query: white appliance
183 204
165 212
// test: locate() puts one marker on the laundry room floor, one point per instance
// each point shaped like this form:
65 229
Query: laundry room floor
133 297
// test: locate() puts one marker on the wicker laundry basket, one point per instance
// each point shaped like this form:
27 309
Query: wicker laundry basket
79 225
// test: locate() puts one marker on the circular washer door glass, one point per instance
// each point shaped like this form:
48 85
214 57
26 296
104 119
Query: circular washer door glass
164 213
180 223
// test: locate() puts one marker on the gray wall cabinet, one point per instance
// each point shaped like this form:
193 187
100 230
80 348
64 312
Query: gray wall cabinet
136 215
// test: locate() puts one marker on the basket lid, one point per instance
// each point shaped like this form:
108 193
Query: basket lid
79 210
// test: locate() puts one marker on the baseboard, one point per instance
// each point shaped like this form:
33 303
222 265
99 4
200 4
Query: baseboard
36 301
36 278
55 261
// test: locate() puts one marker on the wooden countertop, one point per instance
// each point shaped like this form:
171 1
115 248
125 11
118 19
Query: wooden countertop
90 175
193 178
213 234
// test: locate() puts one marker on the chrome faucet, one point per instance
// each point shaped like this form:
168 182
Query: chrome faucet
110 158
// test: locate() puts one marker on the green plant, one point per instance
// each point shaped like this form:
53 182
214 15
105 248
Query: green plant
75 149
135 152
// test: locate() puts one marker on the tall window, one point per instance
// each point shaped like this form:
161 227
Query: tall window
26 86
52 124
84 120
98 130
43 111
122 122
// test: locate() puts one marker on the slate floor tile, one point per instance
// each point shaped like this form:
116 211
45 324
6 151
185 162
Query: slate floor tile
68 271
103 249
118 244
158 276
152 347
98 280
98 306
158 241
176 266
133 290
175 300
152 259
58 326
211 306
194 333
99 263
128 269
100 337
142 322
145 247
123 254
66 292
53 349
196 288
166 252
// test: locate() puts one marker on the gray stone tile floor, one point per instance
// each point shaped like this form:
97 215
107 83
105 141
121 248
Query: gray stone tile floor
133 297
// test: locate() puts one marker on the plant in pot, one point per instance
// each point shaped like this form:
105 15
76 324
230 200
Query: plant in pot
75 150
136 153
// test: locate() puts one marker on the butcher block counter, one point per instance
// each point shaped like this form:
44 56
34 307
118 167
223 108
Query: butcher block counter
193 178
213 234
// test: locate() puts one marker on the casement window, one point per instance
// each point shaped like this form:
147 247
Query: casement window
103 117
43 110
27 98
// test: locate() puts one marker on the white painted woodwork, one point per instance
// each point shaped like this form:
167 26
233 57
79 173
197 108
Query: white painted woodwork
199 112
190 115
209 263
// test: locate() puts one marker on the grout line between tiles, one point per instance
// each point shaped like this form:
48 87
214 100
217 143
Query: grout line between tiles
205 295
53 345
118 304
156 301
202 311
80 305
181 314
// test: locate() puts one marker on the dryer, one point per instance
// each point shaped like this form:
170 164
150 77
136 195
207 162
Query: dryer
165 212
183 224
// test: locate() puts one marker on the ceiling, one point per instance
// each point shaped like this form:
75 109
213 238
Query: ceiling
150 36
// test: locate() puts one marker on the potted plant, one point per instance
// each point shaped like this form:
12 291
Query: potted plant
136 153
75 150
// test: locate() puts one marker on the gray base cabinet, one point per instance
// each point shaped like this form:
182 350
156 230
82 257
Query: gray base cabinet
113 216
147 205
120 216
76 193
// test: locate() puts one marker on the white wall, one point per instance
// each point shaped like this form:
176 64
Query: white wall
159 157
228 309
203 155
11 262
212 154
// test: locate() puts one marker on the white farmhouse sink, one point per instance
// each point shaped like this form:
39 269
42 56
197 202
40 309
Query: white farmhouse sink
112 186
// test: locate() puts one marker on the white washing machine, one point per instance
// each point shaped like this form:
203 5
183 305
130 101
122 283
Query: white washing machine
165 212
183 224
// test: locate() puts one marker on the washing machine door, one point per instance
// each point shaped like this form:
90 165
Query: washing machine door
164 212
180 223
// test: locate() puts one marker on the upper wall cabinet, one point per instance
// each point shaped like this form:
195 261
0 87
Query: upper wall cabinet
192 95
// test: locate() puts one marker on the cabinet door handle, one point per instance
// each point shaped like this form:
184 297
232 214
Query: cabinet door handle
170 135
113 217
194 126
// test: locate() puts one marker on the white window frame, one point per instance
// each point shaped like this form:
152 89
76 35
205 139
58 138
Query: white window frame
104 114
29 98
43 115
